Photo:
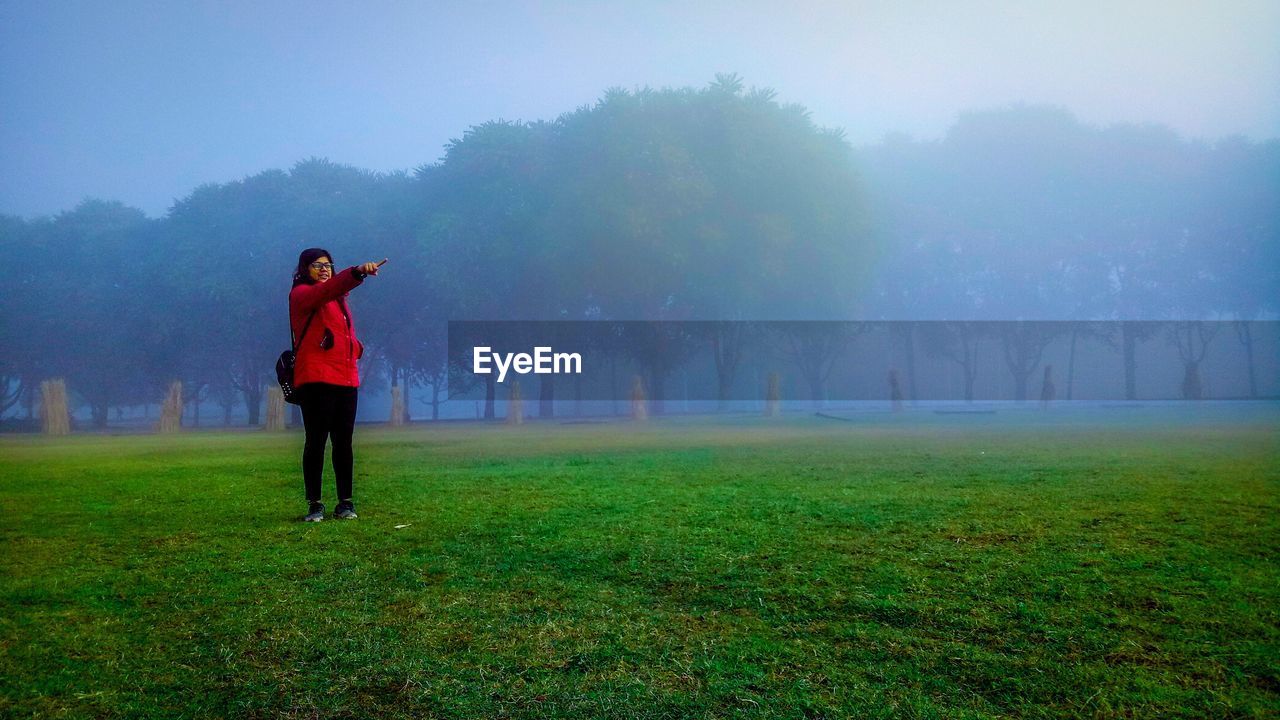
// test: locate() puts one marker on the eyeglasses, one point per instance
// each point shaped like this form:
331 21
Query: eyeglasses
321 266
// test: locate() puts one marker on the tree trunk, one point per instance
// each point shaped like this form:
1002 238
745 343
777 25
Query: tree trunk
1130 362
1071 361
577 395
546 397
909 346
1192 389
1020 358
1246 338
724 386
613 383
490 390
253 401
55 416
395 383
726 349
275 410
405 385
396 418
171 409
29 402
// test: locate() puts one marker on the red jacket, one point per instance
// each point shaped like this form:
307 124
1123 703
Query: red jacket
337 364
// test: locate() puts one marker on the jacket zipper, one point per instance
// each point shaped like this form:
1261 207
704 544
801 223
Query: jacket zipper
351 344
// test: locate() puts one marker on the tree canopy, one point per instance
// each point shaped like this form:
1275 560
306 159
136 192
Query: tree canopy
716 203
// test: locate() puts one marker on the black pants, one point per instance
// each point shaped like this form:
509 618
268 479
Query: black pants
328 412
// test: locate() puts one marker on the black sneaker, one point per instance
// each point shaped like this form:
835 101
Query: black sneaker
346 510
316 513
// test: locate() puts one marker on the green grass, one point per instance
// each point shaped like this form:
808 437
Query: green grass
1024 565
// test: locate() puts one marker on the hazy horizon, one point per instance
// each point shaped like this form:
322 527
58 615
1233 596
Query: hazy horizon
143 104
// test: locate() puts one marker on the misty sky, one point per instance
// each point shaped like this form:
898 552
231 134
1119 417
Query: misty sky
143 101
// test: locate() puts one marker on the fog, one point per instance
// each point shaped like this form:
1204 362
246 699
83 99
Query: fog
141 102
1113 171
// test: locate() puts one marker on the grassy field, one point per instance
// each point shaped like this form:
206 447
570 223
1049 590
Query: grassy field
1017 565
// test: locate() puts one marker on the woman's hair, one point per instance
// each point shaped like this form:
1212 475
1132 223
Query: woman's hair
302 273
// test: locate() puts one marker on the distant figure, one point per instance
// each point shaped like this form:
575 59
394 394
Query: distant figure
515 405
895 391
1048 392
773 397
325 373
639 408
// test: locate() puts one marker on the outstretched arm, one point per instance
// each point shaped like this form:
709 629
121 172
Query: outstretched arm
310 297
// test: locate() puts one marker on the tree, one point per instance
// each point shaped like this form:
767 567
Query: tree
1023 344
92 267
728 340
815 347
481 238
20 360
1244 333
957 341
658 348
1192 340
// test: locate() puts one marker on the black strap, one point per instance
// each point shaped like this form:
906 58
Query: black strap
294 343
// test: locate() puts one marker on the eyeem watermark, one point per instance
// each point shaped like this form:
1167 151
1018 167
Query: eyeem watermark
1017 360
542 362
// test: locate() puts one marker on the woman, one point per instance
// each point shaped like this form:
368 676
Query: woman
325 373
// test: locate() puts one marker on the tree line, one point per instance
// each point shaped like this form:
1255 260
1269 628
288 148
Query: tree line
718 203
